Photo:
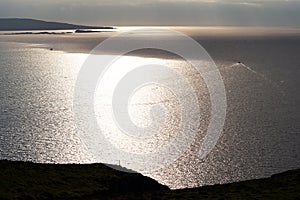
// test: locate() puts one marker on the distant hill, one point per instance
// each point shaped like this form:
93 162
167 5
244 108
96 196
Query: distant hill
18 24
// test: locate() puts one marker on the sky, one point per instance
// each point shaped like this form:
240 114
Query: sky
158 12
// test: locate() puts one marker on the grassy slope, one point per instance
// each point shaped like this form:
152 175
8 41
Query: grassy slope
97 181
19 179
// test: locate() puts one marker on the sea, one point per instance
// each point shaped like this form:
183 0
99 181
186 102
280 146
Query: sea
41 121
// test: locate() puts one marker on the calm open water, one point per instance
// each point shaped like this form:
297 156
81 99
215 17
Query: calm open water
260 136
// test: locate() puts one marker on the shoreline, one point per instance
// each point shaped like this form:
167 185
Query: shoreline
84 43
92 181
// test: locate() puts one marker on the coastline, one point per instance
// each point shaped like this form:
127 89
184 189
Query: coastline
95 181
84 42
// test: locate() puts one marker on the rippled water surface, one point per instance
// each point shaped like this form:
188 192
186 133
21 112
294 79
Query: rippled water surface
260 136
36 105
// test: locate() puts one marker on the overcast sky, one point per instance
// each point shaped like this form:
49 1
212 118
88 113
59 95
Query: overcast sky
158 12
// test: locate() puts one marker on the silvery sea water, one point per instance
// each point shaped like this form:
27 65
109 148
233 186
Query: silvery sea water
260 136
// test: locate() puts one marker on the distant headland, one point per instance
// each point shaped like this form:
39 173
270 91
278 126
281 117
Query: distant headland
21 24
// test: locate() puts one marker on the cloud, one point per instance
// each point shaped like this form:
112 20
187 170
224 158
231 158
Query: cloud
158 12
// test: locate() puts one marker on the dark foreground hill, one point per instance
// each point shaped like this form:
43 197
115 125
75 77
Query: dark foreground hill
20 180
16 24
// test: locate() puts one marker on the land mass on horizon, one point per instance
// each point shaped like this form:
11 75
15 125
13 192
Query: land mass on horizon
19 24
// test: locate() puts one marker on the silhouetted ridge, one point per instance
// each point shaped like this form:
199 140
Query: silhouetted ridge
15 24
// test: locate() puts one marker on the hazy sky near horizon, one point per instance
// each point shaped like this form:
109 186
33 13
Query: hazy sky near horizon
158 12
